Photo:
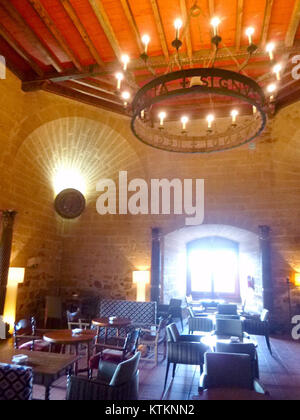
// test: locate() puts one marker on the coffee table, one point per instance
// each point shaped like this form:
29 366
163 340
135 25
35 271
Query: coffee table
47 367
67 338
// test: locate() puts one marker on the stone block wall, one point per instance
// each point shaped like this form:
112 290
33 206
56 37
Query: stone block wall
96 254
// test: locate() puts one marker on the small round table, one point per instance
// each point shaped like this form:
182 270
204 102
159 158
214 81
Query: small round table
67 338
116 323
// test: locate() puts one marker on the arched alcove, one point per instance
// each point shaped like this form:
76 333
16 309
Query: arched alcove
175 260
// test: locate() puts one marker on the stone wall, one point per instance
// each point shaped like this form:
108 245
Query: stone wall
96 255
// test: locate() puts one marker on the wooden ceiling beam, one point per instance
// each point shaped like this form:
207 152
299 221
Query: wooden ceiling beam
293 26
160 62
211 7
267 20
85 88
20 50
82 97
131 20
45 50
160 28
45 17
188 36
103 19
239 24
82 31
98 85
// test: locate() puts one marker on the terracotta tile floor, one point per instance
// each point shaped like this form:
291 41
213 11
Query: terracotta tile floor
280 375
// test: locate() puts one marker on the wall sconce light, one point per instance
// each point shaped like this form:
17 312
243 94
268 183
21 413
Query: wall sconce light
15 277
141 279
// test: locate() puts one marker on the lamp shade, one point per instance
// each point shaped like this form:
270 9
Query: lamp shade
16 276
297 279
141 277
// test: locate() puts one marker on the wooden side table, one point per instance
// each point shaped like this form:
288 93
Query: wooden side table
68 338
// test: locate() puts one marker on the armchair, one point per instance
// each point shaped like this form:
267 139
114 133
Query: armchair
27 337
184 349
227 312
242 348
16 383
199 324
260 327
116 353
225 370
173 310
114 383
229 328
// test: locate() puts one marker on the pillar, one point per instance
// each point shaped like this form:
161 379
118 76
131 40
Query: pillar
265 249
7 221
156 266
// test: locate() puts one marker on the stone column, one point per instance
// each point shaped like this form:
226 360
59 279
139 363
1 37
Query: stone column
7 221
156 266
265 249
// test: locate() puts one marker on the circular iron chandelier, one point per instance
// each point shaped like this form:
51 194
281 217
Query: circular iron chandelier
166 112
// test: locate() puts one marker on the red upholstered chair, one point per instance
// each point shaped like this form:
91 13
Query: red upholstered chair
118 353
27 337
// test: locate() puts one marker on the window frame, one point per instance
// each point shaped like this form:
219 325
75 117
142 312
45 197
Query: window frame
213 242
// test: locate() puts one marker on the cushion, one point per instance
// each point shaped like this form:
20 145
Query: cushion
126 371
39 345
174 333
16 383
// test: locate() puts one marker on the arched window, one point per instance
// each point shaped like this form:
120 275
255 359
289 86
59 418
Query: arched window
213 268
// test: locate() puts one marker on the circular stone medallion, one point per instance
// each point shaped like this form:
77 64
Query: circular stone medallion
70 204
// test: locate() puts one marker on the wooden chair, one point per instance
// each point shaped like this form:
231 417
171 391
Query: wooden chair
115 353
27 337
153 341
76 322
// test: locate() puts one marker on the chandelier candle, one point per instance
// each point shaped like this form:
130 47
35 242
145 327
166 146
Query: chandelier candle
178 25
146 41
234 115
250 32
210 119
277 70
126 97
162 117
184 121
215 22
270 50
120 78
125 60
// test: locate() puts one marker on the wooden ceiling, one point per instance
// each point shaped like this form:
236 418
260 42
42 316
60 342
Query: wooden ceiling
73 47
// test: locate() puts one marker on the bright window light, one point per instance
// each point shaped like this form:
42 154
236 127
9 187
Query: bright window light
214 271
